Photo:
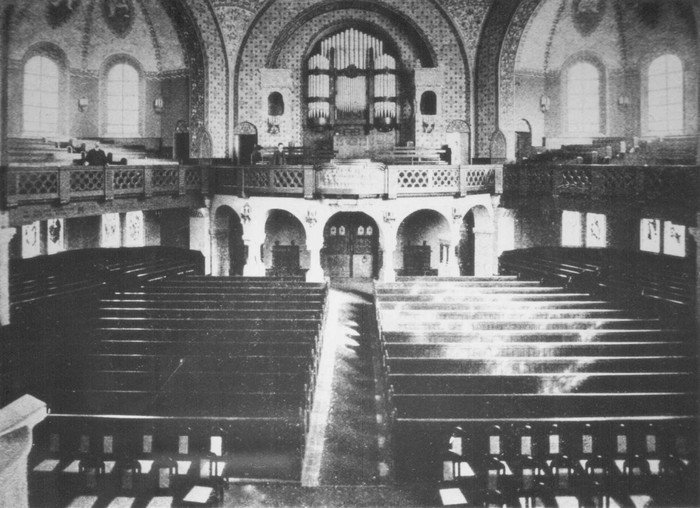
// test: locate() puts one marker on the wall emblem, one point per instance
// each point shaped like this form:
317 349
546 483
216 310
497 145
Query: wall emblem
587 14
55 230
58 11
119 15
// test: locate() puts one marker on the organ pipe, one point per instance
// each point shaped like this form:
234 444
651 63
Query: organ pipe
337 57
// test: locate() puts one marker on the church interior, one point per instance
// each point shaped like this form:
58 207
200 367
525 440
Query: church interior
349 253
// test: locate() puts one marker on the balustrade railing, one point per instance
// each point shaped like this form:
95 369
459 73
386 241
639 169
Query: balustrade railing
360 178
29 185
61 185
677 184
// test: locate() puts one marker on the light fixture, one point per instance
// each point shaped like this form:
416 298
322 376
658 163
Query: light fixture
245 214
311 217
624 100
83 103
545 103
158 105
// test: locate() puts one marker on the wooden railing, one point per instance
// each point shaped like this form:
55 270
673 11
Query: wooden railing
361 178
28 185
678 184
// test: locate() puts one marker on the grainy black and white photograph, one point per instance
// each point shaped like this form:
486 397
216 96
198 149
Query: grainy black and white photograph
349 253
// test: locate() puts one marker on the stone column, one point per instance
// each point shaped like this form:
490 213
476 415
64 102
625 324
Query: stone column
314 244
483 252
388 270
253 238
200 235
6 235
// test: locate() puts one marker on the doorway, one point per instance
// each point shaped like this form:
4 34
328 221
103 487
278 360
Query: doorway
350 246
523 140
246 138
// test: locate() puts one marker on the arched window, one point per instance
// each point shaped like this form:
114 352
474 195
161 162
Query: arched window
665 93
122 101
40 104
428 103
275 104
583 99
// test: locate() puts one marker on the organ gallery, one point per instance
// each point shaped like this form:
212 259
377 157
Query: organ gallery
349 253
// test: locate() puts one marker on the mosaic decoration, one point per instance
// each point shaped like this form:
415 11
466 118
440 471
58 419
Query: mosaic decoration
58 11
191 41
119 15
587 14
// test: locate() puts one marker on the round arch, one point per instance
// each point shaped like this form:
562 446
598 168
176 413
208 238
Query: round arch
423 243
475 250
229 250
351 246
56 55
284 250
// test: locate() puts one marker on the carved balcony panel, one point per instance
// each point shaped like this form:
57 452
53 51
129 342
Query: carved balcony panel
360 177
671 186
35 192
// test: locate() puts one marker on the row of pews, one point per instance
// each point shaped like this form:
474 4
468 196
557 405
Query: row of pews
73 276
508 392
179 385
41 151
671 150
661 283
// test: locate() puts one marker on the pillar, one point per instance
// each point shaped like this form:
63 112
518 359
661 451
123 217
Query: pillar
6 235
483 252
314 244
200 235
388 270
253 238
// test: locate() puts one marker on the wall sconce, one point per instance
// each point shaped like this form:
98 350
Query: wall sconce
389 217
311 217
83 103
245 213
158 105
545 103
624 100
456 215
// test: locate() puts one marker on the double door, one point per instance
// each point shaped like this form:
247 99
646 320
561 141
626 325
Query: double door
351 250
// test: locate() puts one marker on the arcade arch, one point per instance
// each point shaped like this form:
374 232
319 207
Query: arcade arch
228 237
423 244
350 246
285 245
476 248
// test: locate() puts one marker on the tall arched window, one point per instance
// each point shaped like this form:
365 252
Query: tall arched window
40 103
123 101
665 93
583 99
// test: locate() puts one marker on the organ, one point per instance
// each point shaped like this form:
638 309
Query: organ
351 80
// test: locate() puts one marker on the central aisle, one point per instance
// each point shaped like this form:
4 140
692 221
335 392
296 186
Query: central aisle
350 453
